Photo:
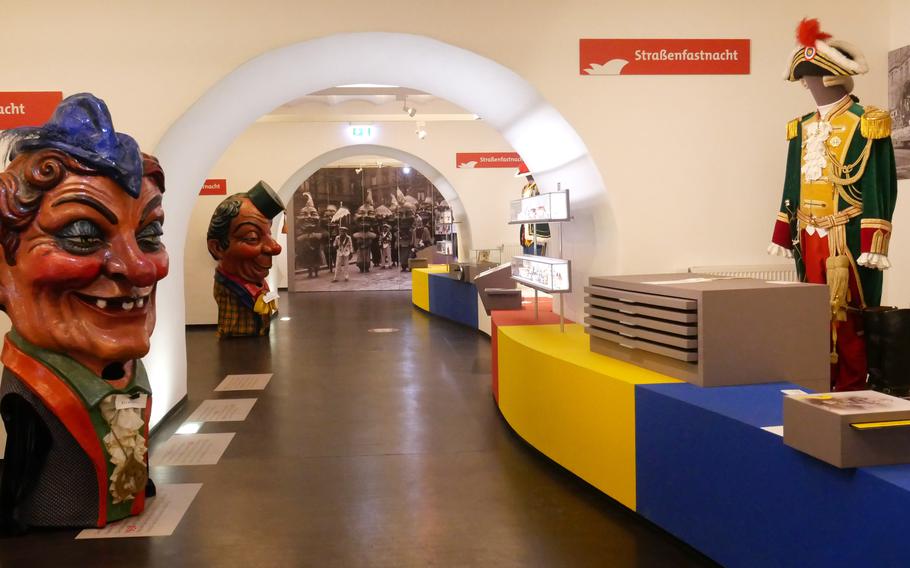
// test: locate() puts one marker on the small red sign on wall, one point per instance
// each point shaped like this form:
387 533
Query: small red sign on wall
664 56
214 187
490 160
27 108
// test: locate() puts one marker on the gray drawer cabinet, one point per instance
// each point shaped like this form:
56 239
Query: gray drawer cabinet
713 331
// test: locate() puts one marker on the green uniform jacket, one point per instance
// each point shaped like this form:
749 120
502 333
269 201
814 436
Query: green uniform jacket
878 191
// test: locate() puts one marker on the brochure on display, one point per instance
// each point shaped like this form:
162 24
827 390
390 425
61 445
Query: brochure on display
544 208
542 273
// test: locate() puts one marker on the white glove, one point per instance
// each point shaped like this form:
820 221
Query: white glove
874 260
777 250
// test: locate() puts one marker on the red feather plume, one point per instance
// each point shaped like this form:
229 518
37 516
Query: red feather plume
809 31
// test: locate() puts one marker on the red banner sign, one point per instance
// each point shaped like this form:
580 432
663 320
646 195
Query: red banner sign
27 108
214 187
664 56
490 160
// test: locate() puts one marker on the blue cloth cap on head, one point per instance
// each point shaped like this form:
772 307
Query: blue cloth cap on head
81 126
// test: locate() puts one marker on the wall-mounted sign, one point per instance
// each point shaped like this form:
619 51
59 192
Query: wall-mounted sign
27 108
490 160
361 131
664 56
214 187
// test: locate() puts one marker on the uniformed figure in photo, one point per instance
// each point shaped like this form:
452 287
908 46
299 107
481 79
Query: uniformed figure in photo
344 247
420 235
80 229
405 220
240 239
330 231
386 242
839 193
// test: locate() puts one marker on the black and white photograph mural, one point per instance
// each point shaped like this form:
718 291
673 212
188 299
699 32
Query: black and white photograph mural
355 228
899 106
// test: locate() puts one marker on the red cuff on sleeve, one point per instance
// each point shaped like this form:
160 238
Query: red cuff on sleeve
781 235
865 239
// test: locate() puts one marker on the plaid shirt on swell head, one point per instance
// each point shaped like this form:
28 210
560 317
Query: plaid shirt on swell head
234 318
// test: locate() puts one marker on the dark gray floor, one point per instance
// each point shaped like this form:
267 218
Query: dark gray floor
368 450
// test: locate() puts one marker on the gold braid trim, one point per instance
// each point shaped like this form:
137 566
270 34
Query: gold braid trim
880 242
875 123
792 129
829 221
881 238
841 171
875 224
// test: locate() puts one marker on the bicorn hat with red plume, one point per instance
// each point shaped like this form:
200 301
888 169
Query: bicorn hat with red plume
818 55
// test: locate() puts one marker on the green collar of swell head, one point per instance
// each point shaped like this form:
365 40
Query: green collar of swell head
89 386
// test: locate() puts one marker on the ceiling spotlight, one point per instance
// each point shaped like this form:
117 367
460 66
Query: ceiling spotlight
406 170
411 111
421 130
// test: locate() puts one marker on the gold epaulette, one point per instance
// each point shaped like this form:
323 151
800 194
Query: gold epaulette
875 123
792 128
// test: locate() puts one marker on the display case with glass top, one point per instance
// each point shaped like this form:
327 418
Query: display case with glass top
550 275
544 208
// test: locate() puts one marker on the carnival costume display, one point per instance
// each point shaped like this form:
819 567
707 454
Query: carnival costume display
528 231
839 194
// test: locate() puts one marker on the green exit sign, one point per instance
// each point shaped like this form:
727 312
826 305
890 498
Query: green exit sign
361 131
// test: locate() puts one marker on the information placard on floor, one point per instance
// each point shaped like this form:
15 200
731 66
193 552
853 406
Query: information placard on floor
223 410
244 382
192 449
161 516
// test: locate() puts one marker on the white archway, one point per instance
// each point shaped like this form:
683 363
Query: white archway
192 145
286 192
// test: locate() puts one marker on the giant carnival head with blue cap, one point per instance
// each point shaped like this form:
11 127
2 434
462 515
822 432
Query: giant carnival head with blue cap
80 227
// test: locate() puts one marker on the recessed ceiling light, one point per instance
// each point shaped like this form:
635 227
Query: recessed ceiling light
367 86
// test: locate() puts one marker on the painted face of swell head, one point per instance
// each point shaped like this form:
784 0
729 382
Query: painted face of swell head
250 245
85 272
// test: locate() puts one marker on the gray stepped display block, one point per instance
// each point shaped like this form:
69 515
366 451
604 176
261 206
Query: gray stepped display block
713 331
497 278
849 429
502 299
467 271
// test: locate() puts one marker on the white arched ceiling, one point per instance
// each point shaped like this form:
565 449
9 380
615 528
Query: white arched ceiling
286 192
510 104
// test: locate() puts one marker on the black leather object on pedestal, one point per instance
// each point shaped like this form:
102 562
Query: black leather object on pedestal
887 333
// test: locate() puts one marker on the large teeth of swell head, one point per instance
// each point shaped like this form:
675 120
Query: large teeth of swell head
101 303
127 306
140 302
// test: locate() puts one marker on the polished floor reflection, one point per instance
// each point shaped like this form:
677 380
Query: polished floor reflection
368 449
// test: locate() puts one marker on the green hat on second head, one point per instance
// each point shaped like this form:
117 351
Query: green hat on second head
265 199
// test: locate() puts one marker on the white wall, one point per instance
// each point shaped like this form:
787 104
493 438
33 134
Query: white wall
693 165
275 151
